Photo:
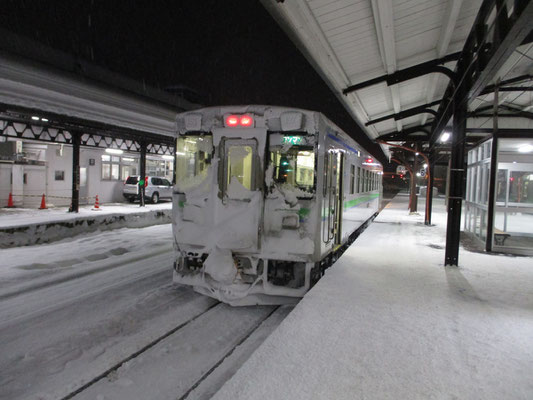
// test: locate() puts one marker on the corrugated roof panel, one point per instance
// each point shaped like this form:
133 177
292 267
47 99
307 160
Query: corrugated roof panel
463 25
376 100
412 92
386 126
343 8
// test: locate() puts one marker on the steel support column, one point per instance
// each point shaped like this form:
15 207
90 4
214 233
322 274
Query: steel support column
142 173
413 207
456 183
431 181
493 172
75 201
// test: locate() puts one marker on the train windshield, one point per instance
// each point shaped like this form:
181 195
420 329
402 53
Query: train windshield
193 158
294 169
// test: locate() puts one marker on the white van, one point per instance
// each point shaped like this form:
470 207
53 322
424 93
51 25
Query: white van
157 188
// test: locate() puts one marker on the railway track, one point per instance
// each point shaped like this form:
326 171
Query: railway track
213 351
87 334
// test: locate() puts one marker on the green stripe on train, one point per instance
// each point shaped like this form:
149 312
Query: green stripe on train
356 202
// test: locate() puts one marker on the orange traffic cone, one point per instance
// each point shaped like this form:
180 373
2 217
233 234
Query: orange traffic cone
10 201
43 204
96 204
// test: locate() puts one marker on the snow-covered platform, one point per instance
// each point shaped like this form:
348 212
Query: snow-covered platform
22 226
389 321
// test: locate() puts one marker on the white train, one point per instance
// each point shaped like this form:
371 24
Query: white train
265 199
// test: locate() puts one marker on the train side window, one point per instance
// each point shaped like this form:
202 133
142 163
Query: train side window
352 179
358 179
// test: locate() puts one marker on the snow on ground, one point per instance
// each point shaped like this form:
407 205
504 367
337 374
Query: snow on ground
73 310
389 321
11 217
35 265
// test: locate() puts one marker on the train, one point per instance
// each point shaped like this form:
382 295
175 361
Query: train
265 199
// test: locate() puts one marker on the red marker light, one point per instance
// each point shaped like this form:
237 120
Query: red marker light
232 120
246 120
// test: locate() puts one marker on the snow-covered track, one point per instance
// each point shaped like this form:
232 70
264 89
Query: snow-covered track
36 284
135 354
29 304
190 362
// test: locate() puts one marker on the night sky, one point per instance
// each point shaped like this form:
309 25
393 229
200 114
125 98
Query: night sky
230 51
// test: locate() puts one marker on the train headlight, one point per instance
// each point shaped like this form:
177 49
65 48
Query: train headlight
291 221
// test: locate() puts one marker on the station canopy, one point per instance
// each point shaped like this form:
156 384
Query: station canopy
383 58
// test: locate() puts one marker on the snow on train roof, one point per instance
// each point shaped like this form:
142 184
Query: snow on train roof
205 119
210 116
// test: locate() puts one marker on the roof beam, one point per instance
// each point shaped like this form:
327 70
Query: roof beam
407 113
406 74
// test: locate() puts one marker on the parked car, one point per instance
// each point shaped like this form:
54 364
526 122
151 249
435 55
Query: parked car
156 189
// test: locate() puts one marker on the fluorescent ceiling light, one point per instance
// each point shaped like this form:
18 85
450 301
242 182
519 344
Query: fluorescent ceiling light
526 148
444 137
128 159
180 153
35 118
167 157
114 151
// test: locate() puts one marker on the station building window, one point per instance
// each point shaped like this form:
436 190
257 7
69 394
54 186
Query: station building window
128 167
110 167
513 214
513 209
116 168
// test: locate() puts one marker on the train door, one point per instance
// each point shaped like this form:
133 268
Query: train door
339 197
332 212
241 183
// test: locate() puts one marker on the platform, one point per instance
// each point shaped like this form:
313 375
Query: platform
389 321
23 226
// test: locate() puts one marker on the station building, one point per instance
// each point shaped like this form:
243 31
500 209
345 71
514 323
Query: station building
29 169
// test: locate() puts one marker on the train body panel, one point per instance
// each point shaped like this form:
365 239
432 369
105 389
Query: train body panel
263 195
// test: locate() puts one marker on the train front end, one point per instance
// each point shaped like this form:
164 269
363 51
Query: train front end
243 203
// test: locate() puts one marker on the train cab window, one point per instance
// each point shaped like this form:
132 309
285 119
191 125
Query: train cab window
193 158
295 169
240 166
